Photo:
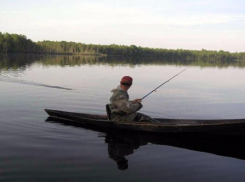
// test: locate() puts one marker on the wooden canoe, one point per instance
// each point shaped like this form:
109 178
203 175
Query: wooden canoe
232 127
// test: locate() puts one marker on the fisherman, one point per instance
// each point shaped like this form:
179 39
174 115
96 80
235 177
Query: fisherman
121 108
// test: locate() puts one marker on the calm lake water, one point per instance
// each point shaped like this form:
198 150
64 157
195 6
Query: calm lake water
36 149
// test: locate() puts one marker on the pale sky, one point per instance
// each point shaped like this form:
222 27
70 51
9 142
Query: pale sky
170 24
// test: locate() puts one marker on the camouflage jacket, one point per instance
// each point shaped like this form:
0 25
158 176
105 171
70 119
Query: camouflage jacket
120 104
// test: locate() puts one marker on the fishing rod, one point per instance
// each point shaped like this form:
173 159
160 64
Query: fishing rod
163 84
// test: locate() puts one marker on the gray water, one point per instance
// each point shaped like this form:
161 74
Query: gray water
36 149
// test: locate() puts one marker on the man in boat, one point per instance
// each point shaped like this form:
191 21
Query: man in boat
121 108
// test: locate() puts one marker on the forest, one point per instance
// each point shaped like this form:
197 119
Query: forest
15 43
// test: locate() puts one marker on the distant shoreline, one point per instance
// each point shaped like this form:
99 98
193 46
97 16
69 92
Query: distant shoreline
14 43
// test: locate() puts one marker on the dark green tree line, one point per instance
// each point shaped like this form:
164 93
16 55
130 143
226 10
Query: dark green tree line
13 43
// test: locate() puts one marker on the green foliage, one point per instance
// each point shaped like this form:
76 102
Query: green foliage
12 43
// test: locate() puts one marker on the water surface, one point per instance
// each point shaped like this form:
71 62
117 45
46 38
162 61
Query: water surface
33 149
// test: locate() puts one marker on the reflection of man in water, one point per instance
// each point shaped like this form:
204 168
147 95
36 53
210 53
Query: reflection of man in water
117 152
119 147
121 108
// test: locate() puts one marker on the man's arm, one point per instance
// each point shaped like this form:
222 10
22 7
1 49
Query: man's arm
128 106
136 100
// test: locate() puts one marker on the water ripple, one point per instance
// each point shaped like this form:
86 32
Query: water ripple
18 81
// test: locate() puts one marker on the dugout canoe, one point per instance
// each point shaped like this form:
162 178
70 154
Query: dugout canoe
231 127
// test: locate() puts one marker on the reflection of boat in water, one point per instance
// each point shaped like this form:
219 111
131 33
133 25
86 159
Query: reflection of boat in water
234 127
122 144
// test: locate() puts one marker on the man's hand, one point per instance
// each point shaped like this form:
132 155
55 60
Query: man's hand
137 101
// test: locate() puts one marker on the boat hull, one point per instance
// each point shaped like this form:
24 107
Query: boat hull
220 127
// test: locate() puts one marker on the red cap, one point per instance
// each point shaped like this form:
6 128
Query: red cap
127 80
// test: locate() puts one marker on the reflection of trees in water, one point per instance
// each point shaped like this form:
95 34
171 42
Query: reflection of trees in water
21 61
133 61
17 61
